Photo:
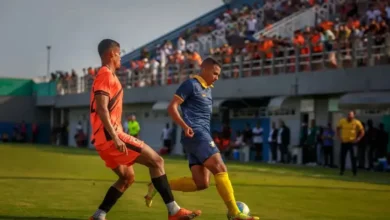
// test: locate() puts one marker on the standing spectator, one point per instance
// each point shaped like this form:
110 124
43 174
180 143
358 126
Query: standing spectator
371 141
382 141
311 142
181 44
350 131
361 150
248 135
303 141
319 144
258 141
34 129
166 137
273 134
328 139
133 126
251 27
225 136
283 141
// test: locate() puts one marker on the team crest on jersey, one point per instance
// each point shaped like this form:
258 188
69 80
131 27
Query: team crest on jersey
212 144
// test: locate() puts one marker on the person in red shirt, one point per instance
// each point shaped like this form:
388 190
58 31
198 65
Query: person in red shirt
118 149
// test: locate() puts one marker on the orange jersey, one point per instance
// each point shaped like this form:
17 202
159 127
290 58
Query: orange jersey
106 83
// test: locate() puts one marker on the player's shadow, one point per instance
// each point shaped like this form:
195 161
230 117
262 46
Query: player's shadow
35 218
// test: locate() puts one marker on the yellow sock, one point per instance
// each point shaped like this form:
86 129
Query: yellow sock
184 184
225 190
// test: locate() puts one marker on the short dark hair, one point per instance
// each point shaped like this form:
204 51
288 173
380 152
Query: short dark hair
105 45
210 61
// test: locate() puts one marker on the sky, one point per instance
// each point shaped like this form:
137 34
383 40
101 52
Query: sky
73 28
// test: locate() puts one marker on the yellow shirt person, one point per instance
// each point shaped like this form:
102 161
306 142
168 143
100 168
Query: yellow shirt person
350 131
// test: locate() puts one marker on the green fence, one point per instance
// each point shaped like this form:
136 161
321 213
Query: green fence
26 87
45 89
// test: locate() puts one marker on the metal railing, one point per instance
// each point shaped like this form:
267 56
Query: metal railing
358 52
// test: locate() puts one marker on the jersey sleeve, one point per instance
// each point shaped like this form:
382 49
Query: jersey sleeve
359 126
185 90
102 83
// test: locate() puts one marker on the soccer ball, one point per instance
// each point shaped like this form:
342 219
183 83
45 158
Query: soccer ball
243 208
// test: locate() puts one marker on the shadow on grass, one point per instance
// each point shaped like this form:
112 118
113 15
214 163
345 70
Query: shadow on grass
93 181
35 218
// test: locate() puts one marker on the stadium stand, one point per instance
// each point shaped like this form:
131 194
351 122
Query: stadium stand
308 36
292 43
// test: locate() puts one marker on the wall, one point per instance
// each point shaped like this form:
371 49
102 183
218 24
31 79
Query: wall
76 115
18 108
16 87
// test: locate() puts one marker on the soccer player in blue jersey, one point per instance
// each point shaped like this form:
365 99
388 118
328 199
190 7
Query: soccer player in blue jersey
194 98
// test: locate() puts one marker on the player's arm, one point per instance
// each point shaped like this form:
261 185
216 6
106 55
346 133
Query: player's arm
182 93
102 97
173 110
104 114
361 131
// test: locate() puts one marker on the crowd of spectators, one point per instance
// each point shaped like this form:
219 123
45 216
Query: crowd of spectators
355 26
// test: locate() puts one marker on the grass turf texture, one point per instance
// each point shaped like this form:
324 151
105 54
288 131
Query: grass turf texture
42 182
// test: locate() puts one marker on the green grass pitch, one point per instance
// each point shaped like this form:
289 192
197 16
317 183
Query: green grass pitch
41 182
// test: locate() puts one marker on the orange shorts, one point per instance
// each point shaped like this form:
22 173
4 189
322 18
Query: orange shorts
113 157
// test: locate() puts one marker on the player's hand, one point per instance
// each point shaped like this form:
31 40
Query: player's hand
188 132
120 145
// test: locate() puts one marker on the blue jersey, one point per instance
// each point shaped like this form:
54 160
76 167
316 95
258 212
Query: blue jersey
196 107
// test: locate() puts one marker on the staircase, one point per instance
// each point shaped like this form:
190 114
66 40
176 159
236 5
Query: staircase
301 19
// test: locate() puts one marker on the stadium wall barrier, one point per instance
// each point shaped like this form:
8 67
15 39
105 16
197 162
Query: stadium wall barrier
43 131
374 78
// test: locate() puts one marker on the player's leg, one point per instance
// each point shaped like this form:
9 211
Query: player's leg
225 189
126 178
155 163
200 180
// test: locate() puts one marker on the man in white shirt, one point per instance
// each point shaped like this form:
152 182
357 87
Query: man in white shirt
251 25
373 13
166 137
257 133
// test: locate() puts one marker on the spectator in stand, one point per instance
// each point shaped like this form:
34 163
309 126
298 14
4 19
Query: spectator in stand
344 33
181 44
373 13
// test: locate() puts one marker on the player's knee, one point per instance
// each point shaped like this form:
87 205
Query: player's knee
126 181
202 185
158 162
219 168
